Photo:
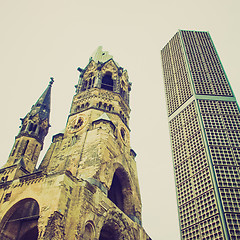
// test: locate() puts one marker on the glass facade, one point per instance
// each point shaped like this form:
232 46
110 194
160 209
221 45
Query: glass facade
204 121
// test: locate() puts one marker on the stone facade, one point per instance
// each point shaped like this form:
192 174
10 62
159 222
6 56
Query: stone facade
86 186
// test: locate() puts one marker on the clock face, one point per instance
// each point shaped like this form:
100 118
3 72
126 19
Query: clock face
76 123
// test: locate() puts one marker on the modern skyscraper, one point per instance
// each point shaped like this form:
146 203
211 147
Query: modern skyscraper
86 186
204 121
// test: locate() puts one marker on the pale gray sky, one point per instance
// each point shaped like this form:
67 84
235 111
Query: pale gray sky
40 39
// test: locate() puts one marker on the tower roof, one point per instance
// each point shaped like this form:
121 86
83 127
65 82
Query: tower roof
42 106
101 56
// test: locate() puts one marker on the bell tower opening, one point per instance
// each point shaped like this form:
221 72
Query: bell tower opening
107 81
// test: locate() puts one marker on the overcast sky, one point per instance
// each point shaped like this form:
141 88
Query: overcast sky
51 38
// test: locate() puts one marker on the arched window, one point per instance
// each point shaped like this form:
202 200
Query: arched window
110 107
30 127
88 232
108 233
20 222
107 81
115 193
90 83
25 147
120 192
100 104
34 151
77 108
93 81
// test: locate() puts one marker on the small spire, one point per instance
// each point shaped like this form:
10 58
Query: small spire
51 82
42 106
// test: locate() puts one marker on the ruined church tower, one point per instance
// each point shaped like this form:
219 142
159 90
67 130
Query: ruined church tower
86 187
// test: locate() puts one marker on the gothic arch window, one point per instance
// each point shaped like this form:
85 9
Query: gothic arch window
115 193
107 81
120 192
20 222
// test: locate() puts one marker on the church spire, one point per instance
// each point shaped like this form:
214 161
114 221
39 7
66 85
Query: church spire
36 122
34 127
42 106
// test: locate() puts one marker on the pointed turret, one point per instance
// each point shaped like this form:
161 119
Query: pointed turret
42 106
36 123
34 127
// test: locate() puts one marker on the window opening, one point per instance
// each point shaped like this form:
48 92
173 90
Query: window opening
34 151
34 127
107 82
77 108
108 233
115 193
93 81
30 126
25 148
22 223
